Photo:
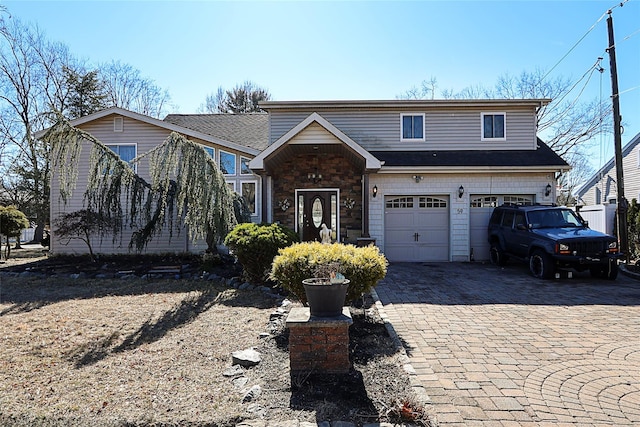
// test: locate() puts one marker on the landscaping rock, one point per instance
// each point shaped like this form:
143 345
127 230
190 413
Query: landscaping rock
233 371
246 358
253 392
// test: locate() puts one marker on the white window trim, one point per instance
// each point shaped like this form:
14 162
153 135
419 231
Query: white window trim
424 125
248 160
255 195
233 184
493 113
235 162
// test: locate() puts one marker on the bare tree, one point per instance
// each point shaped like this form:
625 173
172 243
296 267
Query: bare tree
31 84
126 88
243 98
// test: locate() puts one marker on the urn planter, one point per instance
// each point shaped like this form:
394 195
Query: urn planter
325 297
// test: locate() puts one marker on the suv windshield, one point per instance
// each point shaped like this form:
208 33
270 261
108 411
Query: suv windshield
554 218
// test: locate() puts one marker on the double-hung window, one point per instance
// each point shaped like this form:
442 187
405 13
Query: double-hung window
412 127
493 126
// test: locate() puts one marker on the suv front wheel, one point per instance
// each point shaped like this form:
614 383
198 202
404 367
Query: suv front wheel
497 255
541 265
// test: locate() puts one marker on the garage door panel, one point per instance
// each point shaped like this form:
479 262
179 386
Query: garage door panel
417 228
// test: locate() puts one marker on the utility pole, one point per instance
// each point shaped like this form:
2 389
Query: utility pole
623 237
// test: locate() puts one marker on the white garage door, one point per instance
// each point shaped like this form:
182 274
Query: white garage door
479 214
416 228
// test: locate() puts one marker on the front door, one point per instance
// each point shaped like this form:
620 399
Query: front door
317 207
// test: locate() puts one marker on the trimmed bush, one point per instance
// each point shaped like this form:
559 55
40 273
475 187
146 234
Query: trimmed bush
255 246
363 266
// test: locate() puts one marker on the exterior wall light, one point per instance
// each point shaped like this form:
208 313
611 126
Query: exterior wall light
417 178
547 190
460 192
374 191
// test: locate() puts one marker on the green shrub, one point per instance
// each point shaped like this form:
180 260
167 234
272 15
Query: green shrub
255 246
363 266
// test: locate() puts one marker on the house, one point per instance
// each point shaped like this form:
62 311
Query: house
417 178
602 187
131 134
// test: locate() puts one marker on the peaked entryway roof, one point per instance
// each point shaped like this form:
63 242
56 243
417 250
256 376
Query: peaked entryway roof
288 145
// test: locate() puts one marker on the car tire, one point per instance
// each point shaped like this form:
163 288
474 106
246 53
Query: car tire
497 255
541 265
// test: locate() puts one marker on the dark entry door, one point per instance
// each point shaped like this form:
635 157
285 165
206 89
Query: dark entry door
316 208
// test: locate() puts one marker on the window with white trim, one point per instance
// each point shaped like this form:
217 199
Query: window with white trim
231 185
493 126
244 166
412 127
250 194
126 152
227 163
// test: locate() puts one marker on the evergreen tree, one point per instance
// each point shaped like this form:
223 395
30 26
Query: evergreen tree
12 222
86 93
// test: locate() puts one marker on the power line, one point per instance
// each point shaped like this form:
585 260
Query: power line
582 38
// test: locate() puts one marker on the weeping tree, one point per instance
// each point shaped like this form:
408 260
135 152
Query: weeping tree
185 183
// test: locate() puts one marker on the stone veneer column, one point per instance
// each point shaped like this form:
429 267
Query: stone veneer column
318 344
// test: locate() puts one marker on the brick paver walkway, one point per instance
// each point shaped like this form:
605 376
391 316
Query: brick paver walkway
495 347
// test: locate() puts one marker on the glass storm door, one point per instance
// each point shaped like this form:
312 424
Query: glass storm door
314 209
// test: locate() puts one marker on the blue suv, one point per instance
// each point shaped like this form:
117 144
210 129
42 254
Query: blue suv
551 238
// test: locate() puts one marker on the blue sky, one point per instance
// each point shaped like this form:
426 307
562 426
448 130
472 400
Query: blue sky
350 49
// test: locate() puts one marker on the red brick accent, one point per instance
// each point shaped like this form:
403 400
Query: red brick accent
318 345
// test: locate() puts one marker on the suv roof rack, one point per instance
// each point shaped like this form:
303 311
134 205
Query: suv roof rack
523 205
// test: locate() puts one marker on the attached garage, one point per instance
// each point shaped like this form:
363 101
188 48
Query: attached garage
416 228
480 208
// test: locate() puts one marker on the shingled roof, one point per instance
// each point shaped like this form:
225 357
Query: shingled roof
250 130
542 157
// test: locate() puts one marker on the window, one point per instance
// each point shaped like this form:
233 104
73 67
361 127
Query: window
210 151
249 193
412 127
519 200
126 152
484 202
118 124
231 185
431 202
493 126
507 219
227 163
244 166
400 203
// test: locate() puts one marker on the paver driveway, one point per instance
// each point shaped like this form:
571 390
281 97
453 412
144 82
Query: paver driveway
495 347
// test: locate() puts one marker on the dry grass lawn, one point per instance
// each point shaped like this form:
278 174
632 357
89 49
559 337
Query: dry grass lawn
112 352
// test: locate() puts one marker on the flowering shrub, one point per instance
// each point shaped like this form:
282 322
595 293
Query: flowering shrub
363 266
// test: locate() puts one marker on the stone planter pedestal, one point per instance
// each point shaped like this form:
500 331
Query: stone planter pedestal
318 344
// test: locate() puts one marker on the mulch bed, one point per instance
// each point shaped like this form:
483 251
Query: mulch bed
151 351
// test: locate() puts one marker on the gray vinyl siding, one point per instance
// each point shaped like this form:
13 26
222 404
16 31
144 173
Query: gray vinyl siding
607 186
146 137
455 129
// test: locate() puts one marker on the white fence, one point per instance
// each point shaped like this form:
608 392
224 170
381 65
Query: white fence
600 217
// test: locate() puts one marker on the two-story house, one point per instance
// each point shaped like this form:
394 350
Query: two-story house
418 178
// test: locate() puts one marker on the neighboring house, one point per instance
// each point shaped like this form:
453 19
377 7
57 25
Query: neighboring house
131 134
418 178
602 187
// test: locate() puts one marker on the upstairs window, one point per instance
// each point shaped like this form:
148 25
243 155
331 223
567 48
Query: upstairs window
412 127
244 166
493 126
210 151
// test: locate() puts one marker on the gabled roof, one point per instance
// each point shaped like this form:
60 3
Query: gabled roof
370 162
251 130
581 191
162 124
542 159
